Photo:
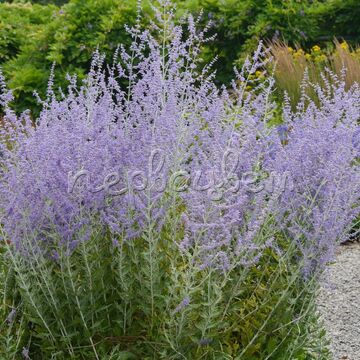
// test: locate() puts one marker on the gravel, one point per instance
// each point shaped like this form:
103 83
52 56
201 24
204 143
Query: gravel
339 303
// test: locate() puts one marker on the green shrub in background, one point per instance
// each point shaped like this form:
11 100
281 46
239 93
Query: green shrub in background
68 40
71 34
18 24
41 2
32 37
338 18
240 25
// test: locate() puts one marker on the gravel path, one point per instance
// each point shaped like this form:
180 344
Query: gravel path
339 303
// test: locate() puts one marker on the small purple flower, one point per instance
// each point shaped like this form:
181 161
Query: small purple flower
55 255
356 140
73 244
282 131
205 342
303 34
184 303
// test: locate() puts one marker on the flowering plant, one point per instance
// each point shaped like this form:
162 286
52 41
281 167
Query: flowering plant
161 268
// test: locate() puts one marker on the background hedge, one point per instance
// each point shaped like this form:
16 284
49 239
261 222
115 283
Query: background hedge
35 35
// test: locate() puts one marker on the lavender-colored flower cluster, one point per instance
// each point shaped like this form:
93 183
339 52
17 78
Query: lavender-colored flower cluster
322 156
154 100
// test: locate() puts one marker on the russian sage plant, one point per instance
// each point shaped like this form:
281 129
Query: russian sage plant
322 155
146 213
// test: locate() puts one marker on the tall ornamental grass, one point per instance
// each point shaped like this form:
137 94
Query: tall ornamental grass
166 219
292 64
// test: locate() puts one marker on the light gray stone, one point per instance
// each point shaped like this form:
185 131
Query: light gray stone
339 303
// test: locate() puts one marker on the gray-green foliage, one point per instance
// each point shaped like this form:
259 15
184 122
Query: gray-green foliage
146 299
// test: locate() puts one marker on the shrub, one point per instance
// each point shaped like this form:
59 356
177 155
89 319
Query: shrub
158 221
18 24
338 19
121 303
240 25
69 36
68 40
